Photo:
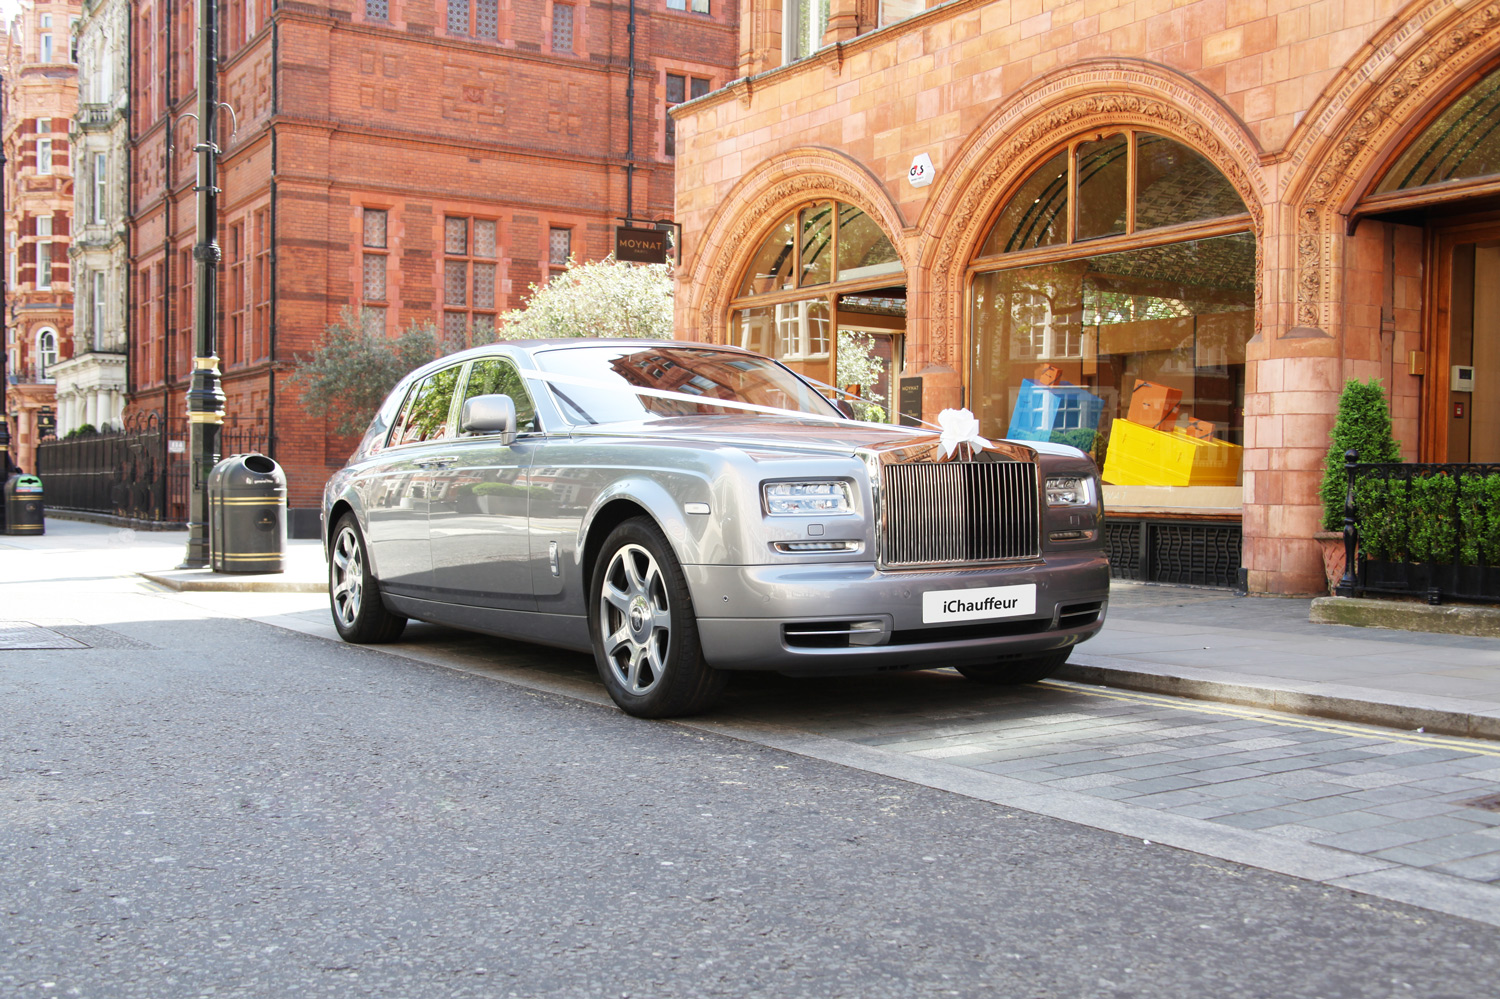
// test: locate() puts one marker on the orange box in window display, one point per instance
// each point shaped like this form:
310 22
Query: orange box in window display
1153 405
1201 429
1048 374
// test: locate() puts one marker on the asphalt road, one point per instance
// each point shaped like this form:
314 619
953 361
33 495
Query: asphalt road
269 814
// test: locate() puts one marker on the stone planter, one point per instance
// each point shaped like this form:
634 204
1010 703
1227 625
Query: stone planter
1332 543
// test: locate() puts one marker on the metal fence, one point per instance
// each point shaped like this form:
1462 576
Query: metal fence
1422 529
139 473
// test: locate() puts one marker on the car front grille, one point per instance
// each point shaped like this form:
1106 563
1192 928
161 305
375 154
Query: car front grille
953 512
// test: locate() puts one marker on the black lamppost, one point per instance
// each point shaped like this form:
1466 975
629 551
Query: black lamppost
205 398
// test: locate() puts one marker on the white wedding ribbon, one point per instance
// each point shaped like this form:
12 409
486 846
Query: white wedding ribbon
959 426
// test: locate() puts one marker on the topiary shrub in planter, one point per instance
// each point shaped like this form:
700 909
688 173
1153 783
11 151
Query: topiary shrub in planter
1364 424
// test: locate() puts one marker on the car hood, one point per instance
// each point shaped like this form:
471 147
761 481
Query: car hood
785 434
764 433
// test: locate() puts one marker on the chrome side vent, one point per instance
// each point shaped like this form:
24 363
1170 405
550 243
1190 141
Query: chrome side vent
953 512
1078 615
833 634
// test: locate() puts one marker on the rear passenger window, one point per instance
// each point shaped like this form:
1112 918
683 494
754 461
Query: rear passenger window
496 376
424 415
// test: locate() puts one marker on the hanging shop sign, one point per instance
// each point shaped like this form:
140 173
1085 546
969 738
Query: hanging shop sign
641 246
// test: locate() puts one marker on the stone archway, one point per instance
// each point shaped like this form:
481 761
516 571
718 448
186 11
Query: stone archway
749 212
1346 139
1003 151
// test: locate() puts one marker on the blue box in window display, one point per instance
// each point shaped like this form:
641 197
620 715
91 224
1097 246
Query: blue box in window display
1041 411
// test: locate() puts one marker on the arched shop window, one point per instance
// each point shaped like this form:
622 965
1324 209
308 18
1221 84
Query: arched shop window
1112 301
1461 143
823 267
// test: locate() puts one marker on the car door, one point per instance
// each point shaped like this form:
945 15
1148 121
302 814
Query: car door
397 490
477 514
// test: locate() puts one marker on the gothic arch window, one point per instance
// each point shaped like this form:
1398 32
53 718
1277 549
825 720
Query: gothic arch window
1110 304
824 267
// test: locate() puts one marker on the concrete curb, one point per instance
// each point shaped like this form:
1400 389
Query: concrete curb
1435 719
1406 615
205 581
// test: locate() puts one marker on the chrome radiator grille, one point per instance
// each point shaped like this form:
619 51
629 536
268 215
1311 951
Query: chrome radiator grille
936 513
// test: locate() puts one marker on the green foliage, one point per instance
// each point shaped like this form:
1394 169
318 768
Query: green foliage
347 377
606 298
86 429
1433 526
1422 519
858 365
1080 437
1479 519
1364 424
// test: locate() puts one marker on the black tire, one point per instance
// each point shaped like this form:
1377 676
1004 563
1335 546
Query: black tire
1013 672
358 612
644 629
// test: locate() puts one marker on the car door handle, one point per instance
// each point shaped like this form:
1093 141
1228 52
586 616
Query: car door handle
442 461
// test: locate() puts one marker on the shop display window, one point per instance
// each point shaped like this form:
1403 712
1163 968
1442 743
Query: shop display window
1132 348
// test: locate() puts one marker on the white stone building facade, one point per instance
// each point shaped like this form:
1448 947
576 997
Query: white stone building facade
91 386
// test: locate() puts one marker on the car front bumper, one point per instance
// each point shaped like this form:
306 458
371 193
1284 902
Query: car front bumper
853 617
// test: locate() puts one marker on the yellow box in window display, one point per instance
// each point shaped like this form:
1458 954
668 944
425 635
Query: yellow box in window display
1141 456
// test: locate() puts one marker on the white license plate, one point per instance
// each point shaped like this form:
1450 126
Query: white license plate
982 604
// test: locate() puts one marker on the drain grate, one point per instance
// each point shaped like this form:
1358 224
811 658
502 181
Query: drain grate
24 635
1489 803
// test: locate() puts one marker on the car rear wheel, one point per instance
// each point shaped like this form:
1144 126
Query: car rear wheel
354 593
1010 672
643 627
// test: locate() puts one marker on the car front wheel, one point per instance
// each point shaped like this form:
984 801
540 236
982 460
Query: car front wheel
1023 669
354 593
644 631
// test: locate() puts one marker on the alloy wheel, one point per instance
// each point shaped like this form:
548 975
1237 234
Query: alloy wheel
635 619
348 567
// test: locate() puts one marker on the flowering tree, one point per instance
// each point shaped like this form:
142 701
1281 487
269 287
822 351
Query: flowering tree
605 298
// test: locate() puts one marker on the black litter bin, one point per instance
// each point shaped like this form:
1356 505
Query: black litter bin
23 505
247 515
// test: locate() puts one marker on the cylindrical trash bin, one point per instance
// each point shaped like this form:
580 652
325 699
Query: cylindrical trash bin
247 515
23 505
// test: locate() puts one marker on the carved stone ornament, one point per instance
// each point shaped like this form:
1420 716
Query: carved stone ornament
1376 115
762 200
1089 97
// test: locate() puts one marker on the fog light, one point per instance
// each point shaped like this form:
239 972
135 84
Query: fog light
1070 535
804 547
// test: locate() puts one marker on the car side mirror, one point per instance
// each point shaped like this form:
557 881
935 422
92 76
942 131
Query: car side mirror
489 414
845 407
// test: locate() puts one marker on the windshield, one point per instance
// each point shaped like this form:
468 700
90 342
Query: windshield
605 384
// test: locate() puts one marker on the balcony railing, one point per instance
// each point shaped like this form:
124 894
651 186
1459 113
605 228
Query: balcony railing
1424 530
95 115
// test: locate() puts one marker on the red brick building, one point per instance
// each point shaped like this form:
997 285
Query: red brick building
408 160
41 96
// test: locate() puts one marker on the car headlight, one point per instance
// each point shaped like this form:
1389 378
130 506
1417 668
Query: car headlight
806 498
1068 490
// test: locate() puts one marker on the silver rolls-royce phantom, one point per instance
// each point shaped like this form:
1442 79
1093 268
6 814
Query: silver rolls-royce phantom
684 510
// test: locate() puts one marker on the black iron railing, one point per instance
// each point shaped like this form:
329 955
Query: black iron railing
138 473
1427 530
